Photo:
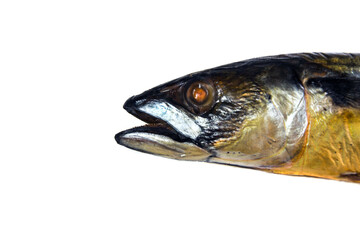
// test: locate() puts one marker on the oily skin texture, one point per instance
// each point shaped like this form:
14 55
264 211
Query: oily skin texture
260 128
332 149
295 114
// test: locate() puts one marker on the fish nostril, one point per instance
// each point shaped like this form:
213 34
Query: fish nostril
133 103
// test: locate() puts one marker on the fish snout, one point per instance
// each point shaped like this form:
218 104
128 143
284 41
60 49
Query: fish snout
132 104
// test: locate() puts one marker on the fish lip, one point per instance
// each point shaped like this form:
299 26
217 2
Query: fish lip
132 106
158 128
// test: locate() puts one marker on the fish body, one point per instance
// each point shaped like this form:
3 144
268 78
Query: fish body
295 114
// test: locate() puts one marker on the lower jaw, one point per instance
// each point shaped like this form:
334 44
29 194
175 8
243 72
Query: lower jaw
159 139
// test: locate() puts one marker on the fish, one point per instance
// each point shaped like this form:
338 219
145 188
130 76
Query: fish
292 114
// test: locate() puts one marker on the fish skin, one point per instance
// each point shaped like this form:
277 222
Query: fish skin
294 114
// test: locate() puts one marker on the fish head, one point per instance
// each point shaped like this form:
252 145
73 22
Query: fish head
249 115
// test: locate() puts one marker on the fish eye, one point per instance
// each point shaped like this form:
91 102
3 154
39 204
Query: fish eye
200 96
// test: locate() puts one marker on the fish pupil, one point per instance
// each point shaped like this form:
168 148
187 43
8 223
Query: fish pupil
199 94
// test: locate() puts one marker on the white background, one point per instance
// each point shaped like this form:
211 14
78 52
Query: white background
67 67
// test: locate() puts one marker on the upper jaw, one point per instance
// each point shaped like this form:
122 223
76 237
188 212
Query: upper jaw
153 108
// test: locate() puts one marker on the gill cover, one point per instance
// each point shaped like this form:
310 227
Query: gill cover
273 129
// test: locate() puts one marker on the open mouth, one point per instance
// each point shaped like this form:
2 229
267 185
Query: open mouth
169 131
151 129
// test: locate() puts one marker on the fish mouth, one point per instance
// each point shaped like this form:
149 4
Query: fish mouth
166 133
